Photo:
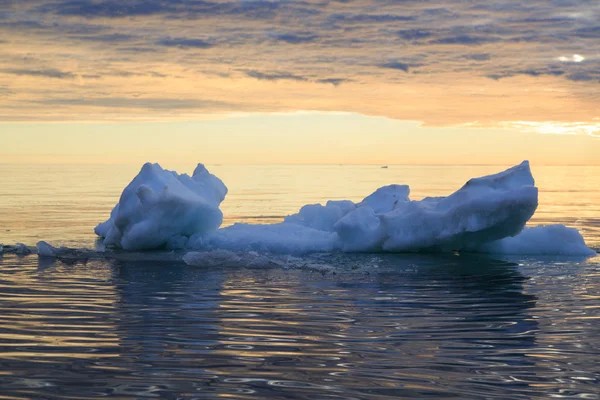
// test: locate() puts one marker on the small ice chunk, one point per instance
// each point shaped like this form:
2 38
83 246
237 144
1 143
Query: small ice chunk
46 250
555 240
159 207
1 248
22 250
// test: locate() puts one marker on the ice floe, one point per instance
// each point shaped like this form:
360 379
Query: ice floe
161 209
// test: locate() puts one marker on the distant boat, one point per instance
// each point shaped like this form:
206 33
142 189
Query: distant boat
384 166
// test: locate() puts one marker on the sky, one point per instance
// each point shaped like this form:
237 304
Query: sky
300 81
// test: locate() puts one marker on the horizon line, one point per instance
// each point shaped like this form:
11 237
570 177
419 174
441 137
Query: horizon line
296 164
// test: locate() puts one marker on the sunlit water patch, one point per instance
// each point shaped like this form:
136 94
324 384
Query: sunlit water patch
364 327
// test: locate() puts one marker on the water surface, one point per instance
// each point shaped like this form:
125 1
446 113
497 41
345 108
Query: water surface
375 327
337 327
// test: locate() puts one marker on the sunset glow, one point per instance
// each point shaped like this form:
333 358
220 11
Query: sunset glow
146 69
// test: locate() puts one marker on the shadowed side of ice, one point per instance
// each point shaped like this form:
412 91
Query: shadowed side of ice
161 209
541 240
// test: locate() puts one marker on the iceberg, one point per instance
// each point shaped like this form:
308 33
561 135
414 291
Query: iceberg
160 207
45 249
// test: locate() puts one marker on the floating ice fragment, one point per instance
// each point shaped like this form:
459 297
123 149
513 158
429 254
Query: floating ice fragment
21 249
159 207
46 250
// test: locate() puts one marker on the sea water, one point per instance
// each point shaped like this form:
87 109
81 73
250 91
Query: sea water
364 326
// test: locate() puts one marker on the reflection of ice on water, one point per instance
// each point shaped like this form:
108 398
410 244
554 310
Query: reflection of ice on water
269 332
375 326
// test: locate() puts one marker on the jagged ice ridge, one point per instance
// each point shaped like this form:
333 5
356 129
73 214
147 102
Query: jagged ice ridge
162 209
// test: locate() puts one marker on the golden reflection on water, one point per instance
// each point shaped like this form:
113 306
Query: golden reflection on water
55 314
412 326
273 324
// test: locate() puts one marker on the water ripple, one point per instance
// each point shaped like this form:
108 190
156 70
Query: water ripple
385 327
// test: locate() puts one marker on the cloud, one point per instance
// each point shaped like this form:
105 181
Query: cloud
478 56
369 18
557 128
185 43
63 27
592 32
47 73
140 49
141 103
106 38
534 72
5 91
274 76
108 9
396 65
295 38
575 58
436 50
145 8
584 76
414 34
467 40
332 81
548 71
